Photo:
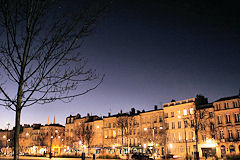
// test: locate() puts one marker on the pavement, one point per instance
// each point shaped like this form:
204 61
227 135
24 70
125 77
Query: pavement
45 158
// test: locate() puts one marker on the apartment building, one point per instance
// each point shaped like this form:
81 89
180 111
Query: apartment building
227 124
40 139
179 127
6 141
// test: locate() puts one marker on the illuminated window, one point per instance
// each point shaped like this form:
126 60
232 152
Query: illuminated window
114 133
178 112
191 111
184 112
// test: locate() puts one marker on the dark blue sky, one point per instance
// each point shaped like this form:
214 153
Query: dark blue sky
152 52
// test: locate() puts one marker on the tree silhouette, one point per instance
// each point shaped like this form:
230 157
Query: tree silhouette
39 55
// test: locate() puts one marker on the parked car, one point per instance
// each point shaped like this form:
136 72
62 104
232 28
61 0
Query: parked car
141 156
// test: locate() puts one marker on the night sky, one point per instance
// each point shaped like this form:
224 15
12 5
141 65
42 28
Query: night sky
152 52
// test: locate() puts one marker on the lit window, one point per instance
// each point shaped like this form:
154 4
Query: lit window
191 111
114 133
184 112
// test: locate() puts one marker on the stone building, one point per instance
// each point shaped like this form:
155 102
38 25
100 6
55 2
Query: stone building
6 141
40 139
227 124
179 127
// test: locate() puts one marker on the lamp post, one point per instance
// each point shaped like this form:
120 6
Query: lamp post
4 137
8 124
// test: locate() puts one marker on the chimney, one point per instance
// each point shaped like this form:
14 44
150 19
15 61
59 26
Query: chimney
109 114
132 111
155 107
120 111
138 111
173 100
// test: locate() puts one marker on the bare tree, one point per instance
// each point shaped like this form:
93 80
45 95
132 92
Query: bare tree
40 57
80 132
89 133
122 124
198 119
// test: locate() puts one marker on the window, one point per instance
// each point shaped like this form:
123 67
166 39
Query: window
202 126
172 114
232 148
238 133
210 114
228 120
191 111
178 112
230 135
173 125
236 117
218 107
221 134
109 125
184 112
167 125
160 119
219 119
166 115
234 104
212 126
179 124
192 123
226 106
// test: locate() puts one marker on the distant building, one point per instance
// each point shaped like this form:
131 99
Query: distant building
177 128
6 142
40 139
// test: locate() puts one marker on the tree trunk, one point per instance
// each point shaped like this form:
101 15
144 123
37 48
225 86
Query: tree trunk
16 134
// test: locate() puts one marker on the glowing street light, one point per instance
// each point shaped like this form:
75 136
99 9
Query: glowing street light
80 142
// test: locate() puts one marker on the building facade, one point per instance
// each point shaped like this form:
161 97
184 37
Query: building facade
184 128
